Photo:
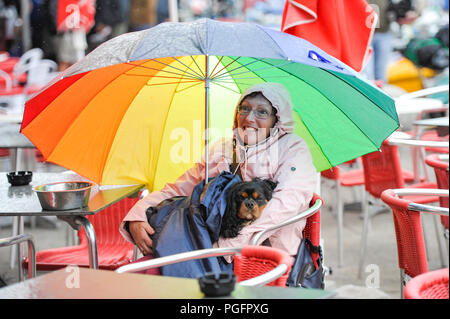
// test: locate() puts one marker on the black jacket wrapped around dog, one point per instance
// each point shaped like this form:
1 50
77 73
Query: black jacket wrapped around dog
185 223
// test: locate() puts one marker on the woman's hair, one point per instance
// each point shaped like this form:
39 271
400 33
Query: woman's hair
257 93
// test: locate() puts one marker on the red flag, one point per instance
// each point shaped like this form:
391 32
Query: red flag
342 28
75 15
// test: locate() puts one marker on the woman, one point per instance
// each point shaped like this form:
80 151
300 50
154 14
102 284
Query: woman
264 147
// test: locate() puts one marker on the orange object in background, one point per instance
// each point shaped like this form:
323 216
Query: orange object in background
406 75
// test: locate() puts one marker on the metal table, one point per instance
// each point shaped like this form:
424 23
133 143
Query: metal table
84 283
440 123
11 138
22 201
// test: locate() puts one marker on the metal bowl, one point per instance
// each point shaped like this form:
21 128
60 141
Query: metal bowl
64 195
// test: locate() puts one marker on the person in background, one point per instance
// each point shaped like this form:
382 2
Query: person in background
401 11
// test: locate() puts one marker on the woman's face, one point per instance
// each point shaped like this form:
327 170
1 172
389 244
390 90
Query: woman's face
255 118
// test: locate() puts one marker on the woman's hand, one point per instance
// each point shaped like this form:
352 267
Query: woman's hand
140 232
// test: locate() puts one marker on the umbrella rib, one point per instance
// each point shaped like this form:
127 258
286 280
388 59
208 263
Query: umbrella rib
203 75
218 62
195 72
160 76
160 70
213 75
241 66
188 87
183 72
252 71
225 87
250 77
176 82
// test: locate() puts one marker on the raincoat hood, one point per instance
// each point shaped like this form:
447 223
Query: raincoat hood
280 98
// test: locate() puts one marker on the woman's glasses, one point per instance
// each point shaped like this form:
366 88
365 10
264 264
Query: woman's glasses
259 112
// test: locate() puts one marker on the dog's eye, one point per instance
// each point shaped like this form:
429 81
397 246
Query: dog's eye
244 194
255 195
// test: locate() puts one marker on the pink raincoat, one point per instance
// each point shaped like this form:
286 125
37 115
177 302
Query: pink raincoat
283 157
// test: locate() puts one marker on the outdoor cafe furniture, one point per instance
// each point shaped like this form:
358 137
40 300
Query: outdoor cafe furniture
350 178
20 201
439 123
440 165
412 253
383 170
101 284
419 146
113 250
12 139
429 285
14 240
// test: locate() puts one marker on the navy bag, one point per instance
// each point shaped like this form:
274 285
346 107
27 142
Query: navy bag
185 223
304 273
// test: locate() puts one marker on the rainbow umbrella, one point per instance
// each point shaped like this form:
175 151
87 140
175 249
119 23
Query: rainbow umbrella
136 109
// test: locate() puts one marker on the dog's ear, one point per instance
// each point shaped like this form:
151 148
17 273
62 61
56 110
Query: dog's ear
271 184
269 187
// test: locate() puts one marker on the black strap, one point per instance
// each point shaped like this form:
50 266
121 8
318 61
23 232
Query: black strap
234 165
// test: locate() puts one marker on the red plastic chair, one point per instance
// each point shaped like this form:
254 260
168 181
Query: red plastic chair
430 285
348 178
383 170
441 170
412 254
253 260
113 250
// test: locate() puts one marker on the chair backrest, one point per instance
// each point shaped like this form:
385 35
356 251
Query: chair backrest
332 173
441 170
382 170
257 260
41 72
412 255
106 224
312 229
430 285
29 58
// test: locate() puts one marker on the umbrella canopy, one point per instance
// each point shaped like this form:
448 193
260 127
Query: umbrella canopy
130 111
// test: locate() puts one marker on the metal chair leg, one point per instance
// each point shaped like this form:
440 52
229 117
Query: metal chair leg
340 224
438 230
18 240
364 235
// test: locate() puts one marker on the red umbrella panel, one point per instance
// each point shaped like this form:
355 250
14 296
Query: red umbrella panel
75 14
342 28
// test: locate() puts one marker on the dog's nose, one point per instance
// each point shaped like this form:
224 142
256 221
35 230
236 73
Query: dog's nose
249 205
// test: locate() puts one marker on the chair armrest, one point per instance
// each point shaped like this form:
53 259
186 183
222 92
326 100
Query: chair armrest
260 280
176 258
418 143
4 242
8 80
305 214
443 211
425 92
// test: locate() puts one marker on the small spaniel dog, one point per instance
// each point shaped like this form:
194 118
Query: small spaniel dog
245 202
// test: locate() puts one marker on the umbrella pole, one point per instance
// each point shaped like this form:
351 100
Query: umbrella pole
207 120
